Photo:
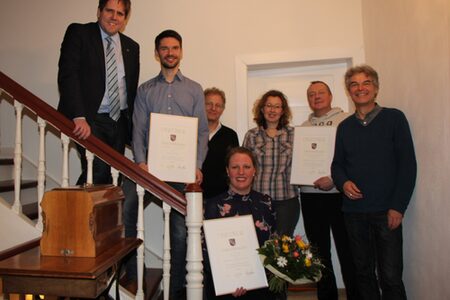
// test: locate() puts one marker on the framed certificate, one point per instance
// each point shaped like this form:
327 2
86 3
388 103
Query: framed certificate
172 149
232 245
313 153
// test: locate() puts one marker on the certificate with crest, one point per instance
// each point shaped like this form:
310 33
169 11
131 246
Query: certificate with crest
172 148
232 249
313 153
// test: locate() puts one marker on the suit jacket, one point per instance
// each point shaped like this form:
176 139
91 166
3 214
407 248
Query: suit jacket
81 76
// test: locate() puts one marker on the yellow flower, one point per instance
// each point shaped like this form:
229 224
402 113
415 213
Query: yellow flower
285 248
285 238
307 262
301 244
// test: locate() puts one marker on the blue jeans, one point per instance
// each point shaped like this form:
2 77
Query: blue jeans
375 246
178 234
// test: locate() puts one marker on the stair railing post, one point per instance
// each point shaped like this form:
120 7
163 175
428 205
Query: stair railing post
115 176
65 164
41 169
166 253
140 251
17 207
194 257
90 167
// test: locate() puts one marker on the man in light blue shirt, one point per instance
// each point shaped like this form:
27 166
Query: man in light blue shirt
169 93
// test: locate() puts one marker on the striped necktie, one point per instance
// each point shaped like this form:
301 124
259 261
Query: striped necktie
111 80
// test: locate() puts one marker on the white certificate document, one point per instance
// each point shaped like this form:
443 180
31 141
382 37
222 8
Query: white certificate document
313 153
172 148
234 260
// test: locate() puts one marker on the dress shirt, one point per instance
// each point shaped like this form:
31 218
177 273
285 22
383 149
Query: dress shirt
213 133
104 106
181 97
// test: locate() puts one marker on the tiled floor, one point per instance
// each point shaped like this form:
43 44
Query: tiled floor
311 295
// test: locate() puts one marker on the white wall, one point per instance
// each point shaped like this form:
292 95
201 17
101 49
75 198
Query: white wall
408 43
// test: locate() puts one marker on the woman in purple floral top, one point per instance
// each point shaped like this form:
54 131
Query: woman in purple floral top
240 200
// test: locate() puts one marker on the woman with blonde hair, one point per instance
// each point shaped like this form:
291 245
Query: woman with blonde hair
239 200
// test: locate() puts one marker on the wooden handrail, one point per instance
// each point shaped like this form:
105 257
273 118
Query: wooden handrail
19 248
149 182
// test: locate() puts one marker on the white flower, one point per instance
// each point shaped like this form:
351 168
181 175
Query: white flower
281 261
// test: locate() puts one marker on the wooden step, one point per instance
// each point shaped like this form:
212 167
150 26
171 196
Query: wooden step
153 278
31 210
8 185
6 161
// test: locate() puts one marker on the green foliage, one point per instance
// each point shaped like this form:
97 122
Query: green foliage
290 260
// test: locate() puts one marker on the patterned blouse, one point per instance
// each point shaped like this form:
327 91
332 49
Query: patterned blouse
274 157
230 204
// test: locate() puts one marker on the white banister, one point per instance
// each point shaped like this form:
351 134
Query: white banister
166 254
194 210
115 176
140 251
65 164
90 166
17 207
194 257
41 169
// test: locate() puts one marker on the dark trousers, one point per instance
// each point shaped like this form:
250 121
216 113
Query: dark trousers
322 214
376 247
113 133
287 213
178 239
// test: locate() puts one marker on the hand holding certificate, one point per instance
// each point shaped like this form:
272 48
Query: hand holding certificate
313 153
172 149
232 245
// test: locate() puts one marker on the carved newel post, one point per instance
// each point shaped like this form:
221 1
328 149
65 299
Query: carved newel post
194 257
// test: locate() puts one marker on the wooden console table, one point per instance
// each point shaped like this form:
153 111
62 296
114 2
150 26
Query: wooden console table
30 273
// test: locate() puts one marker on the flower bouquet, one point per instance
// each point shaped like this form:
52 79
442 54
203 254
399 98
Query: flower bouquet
289 260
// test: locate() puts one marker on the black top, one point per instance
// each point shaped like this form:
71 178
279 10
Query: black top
215 179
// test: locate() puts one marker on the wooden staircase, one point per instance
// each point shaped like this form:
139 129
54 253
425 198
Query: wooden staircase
30 210
152 281
153 276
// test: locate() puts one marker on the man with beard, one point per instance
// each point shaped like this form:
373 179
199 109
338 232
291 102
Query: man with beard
168 93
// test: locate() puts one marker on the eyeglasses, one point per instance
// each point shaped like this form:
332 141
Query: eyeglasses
274 107
365 83
216 105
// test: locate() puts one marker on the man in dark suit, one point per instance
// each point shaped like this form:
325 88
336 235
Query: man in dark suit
98 100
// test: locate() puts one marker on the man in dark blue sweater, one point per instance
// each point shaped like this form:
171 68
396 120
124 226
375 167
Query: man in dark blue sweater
374 166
